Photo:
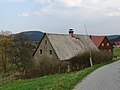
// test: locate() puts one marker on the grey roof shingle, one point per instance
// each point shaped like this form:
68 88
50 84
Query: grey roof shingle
67 46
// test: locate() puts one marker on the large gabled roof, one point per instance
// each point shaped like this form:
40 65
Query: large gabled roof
97 40
67 46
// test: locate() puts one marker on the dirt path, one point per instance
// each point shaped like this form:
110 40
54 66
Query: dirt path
104 78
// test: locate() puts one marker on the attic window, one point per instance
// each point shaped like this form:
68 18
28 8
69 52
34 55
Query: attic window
50 52
109 50
40 51
108 44
102 44
45 42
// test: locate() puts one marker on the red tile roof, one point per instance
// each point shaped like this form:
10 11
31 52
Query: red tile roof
97 40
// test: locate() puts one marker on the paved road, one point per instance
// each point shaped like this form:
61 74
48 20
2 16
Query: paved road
104 78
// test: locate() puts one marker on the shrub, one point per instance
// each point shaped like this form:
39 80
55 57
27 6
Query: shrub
79 62
102 56
48 67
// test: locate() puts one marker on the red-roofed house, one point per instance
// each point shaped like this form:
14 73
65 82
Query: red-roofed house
102 43
117 44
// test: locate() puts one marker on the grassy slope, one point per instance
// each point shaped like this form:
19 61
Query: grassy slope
65 81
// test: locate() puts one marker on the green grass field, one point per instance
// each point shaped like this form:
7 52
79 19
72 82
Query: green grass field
65 81
116 51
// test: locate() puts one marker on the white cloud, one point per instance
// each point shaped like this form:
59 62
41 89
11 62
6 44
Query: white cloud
95 7
84 8
40 1
37 13
44 1
45 10
107 7
24 14
111 14
70 3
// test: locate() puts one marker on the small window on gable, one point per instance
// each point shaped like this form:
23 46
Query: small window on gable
102 44
45 42
50 52
109 50
40 51
108 44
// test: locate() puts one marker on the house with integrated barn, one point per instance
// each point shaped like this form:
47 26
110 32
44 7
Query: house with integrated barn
102 43
56 50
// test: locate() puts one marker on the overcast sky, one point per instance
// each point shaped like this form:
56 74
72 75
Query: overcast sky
102 17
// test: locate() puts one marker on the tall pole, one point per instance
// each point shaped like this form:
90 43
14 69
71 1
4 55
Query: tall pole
90 58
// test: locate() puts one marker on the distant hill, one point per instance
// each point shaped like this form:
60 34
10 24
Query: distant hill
37 36
32 35
111 37
114 38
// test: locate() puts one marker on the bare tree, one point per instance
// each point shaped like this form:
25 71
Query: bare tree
21 53
5 45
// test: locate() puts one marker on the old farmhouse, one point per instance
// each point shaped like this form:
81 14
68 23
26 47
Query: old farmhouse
102 43
58 49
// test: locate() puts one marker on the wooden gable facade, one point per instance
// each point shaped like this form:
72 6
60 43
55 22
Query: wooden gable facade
102 43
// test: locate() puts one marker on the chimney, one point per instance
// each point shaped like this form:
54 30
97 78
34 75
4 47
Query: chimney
91 36
71 32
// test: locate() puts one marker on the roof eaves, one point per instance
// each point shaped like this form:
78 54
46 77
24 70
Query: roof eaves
38 45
